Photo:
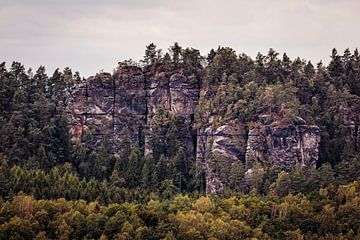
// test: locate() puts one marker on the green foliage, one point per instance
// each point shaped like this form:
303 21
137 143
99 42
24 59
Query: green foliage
329 213
159 196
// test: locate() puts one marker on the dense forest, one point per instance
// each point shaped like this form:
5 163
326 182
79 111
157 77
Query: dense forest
54 188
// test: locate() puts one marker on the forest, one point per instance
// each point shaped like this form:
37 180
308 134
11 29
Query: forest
53 188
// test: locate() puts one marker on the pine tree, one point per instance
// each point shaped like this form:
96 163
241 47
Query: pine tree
150 56
162 168
336 69
42 158
133 170
4 177
175 51
146 172
236 176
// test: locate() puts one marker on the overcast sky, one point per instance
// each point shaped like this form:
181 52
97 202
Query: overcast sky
91 35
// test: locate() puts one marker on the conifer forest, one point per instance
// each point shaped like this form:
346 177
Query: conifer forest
181 145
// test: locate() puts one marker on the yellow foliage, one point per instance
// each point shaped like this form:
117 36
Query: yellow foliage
203 205
181 203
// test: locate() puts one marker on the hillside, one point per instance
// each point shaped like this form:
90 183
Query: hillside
274 131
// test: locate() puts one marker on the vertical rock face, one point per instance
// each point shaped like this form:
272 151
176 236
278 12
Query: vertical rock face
91 108
174 95
125 105
184 96
283 146
128 105
159 93
130 109
355 134
348 117
218 150
268 143
229 140
109 106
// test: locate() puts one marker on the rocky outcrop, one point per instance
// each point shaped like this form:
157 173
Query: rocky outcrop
173 93
109 106
176 96
125 105
128 105
283 146
218 150
130 111
348 117
184 96
270 145
229 140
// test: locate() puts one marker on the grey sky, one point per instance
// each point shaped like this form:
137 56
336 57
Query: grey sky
90 35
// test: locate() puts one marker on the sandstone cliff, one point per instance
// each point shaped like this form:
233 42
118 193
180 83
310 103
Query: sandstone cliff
135 106
283 146
110 106
126 105
218 149
176 96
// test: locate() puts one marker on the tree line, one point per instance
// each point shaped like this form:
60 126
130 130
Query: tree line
37 158
327 213
34 126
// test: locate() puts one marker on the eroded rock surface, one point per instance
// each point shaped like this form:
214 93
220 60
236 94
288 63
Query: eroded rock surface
109 106
218 150
283 146
126 105
130 105
176 96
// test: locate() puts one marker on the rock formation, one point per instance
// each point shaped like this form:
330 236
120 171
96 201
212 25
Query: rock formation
126 104
176 96
283 146
347 117
110 106
130 104
218 150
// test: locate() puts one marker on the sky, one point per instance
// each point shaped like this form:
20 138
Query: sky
93 35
